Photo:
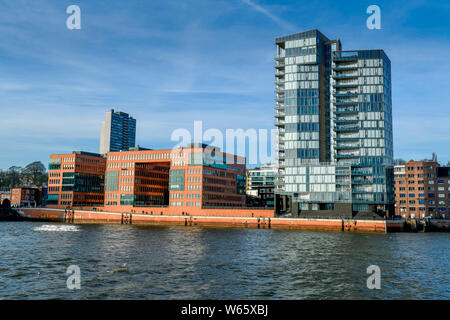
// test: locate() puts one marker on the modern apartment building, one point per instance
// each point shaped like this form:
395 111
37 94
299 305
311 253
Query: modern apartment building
422 190
333 112
76 180
118 132
261 184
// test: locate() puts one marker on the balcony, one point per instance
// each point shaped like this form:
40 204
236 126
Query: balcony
346 121
346 110
361 173
279 58
346 128
346 85
347 139
279 122
279 98
280 114
279 73
347 156
279 91
362 190
344 93
347 147
345 75
279 65
345 56
362 181
345 67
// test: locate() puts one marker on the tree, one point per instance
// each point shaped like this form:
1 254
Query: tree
399 161
34 173
13 177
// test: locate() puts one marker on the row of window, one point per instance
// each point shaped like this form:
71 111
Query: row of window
188 204
148 156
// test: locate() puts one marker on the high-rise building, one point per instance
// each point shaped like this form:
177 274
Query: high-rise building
118 132
334 117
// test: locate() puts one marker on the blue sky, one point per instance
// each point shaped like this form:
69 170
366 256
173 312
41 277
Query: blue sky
169 63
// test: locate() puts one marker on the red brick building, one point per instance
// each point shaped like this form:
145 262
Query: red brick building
184 180
422 189
25 197
76 180
181 181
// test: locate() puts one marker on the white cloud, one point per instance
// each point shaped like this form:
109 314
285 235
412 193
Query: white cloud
282 23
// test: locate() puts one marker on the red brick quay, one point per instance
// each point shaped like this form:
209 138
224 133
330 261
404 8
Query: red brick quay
260 218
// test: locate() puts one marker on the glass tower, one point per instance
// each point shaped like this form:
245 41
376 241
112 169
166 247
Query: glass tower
334 123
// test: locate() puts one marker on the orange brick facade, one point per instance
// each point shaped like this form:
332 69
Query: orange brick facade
186 181
182 181
76 180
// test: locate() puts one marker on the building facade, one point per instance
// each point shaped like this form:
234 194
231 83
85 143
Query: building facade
261 185
76 180
422 190
334 118
179 181
184 180
118 132
25 197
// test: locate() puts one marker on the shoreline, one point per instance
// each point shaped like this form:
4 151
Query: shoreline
95 217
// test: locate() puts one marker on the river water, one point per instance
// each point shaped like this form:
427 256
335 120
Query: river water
131 262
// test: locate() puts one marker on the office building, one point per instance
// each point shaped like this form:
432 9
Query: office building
333 112
185 180
181 181
76 180
118 132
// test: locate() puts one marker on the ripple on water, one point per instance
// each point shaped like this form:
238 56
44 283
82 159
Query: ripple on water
57 228
200 263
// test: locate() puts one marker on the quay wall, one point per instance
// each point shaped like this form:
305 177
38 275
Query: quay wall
95 217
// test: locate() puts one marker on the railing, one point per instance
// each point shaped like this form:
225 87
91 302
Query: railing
345 55
346 128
